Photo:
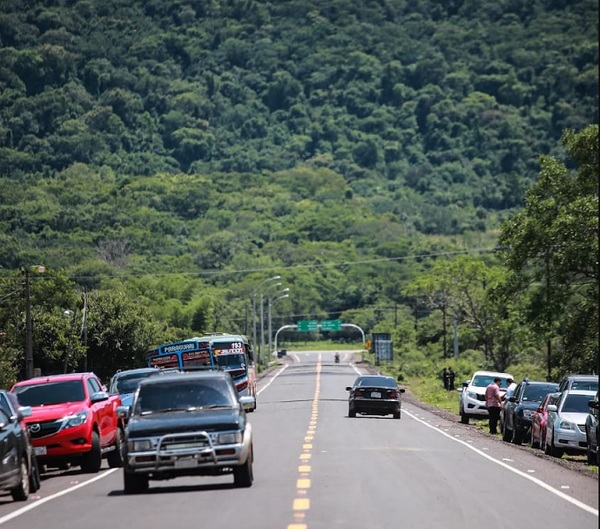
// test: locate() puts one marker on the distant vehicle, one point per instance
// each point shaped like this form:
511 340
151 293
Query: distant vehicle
471 399
518 410
190 424
592 431
374 395
124 383
73 420
229 352
19 472
539 420
585 382
565 428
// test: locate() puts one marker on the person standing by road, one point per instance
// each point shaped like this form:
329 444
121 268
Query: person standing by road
445 378
510 389
493 401
451 377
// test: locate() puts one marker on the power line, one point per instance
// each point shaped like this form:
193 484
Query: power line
295 267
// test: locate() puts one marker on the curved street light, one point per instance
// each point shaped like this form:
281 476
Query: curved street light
272 301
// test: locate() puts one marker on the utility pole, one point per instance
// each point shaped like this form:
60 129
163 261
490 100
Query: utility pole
28 328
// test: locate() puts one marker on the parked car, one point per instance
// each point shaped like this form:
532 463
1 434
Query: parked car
592 431
518 410
191 424
19 473
374 395
565 427
585 382
73 420
471 399
539 420
124 383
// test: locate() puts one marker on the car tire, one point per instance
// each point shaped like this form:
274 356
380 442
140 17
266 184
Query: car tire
534 444
134 483
21 491
551 450
517 436
464 418
35 481
115 456
243 475
397 414
506 434
92 461
351 413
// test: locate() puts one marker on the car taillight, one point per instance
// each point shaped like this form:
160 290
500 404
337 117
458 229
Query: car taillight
359 393
393 394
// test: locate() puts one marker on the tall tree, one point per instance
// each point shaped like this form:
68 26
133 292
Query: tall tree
552 246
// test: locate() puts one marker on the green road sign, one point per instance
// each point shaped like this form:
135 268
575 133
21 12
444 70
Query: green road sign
307 325
331 325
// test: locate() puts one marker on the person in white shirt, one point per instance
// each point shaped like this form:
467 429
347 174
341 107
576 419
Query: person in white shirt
510 389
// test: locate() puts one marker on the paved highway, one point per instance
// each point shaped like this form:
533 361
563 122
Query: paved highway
315 468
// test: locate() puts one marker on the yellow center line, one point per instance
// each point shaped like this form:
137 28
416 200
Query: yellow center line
302 504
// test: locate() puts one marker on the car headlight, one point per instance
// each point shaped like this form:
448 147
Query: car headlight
471 394
70 421
566 425
229 438
143 445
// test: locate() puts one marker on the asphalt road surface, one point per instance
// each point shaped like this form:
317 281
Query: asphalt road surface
316 468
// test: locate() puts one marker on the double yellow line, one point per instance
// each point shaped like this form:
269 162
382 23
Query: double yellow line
301 503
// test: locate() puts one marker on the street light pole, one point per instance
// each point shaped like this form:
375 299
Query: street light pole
262 319
254 293
271 302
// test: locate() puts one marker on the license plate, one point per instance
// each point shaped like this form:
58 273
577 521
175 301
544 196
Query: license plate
375 394
39 450
188 462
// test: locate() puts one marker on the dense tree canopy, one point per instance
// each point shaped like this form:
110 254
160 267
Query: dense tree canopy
166 156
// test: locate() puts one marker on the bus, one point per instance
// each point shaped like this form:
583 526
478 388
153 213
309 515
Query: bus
187 354
228 352
233 353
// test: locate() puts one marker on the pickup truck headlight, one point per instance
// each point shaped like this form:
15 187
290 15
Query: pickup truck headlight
229 438
70 421
143 445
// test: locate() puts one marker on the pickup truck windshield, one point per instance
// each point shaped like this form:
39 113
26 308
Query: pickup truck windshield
51 393
183 396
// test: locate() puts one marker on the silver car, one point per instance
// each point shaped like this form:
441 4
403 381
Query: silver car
566 423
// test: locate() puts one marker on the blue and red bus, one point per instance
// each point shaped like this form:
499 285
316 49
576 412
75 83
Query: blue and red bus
229 352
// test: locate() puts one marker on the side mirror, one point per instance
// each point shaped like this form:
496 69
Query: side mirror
123 412
552 407
247 402
593 404
348 388
99 396
402 390
24 411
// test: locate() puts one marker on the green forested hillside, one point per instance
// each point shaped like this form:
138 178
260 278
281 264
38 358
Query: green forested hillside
184 150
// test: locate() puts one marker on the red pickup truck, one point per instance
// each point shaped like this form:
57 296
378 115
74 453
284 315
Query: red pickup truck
73 421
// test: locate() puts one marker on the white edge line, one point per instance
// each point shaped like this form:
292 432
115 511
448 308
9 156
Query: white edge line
560 494
37 503
272 379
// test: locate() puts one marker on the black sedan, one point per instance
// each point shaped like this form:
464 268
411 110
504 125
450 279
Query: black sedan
374 395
